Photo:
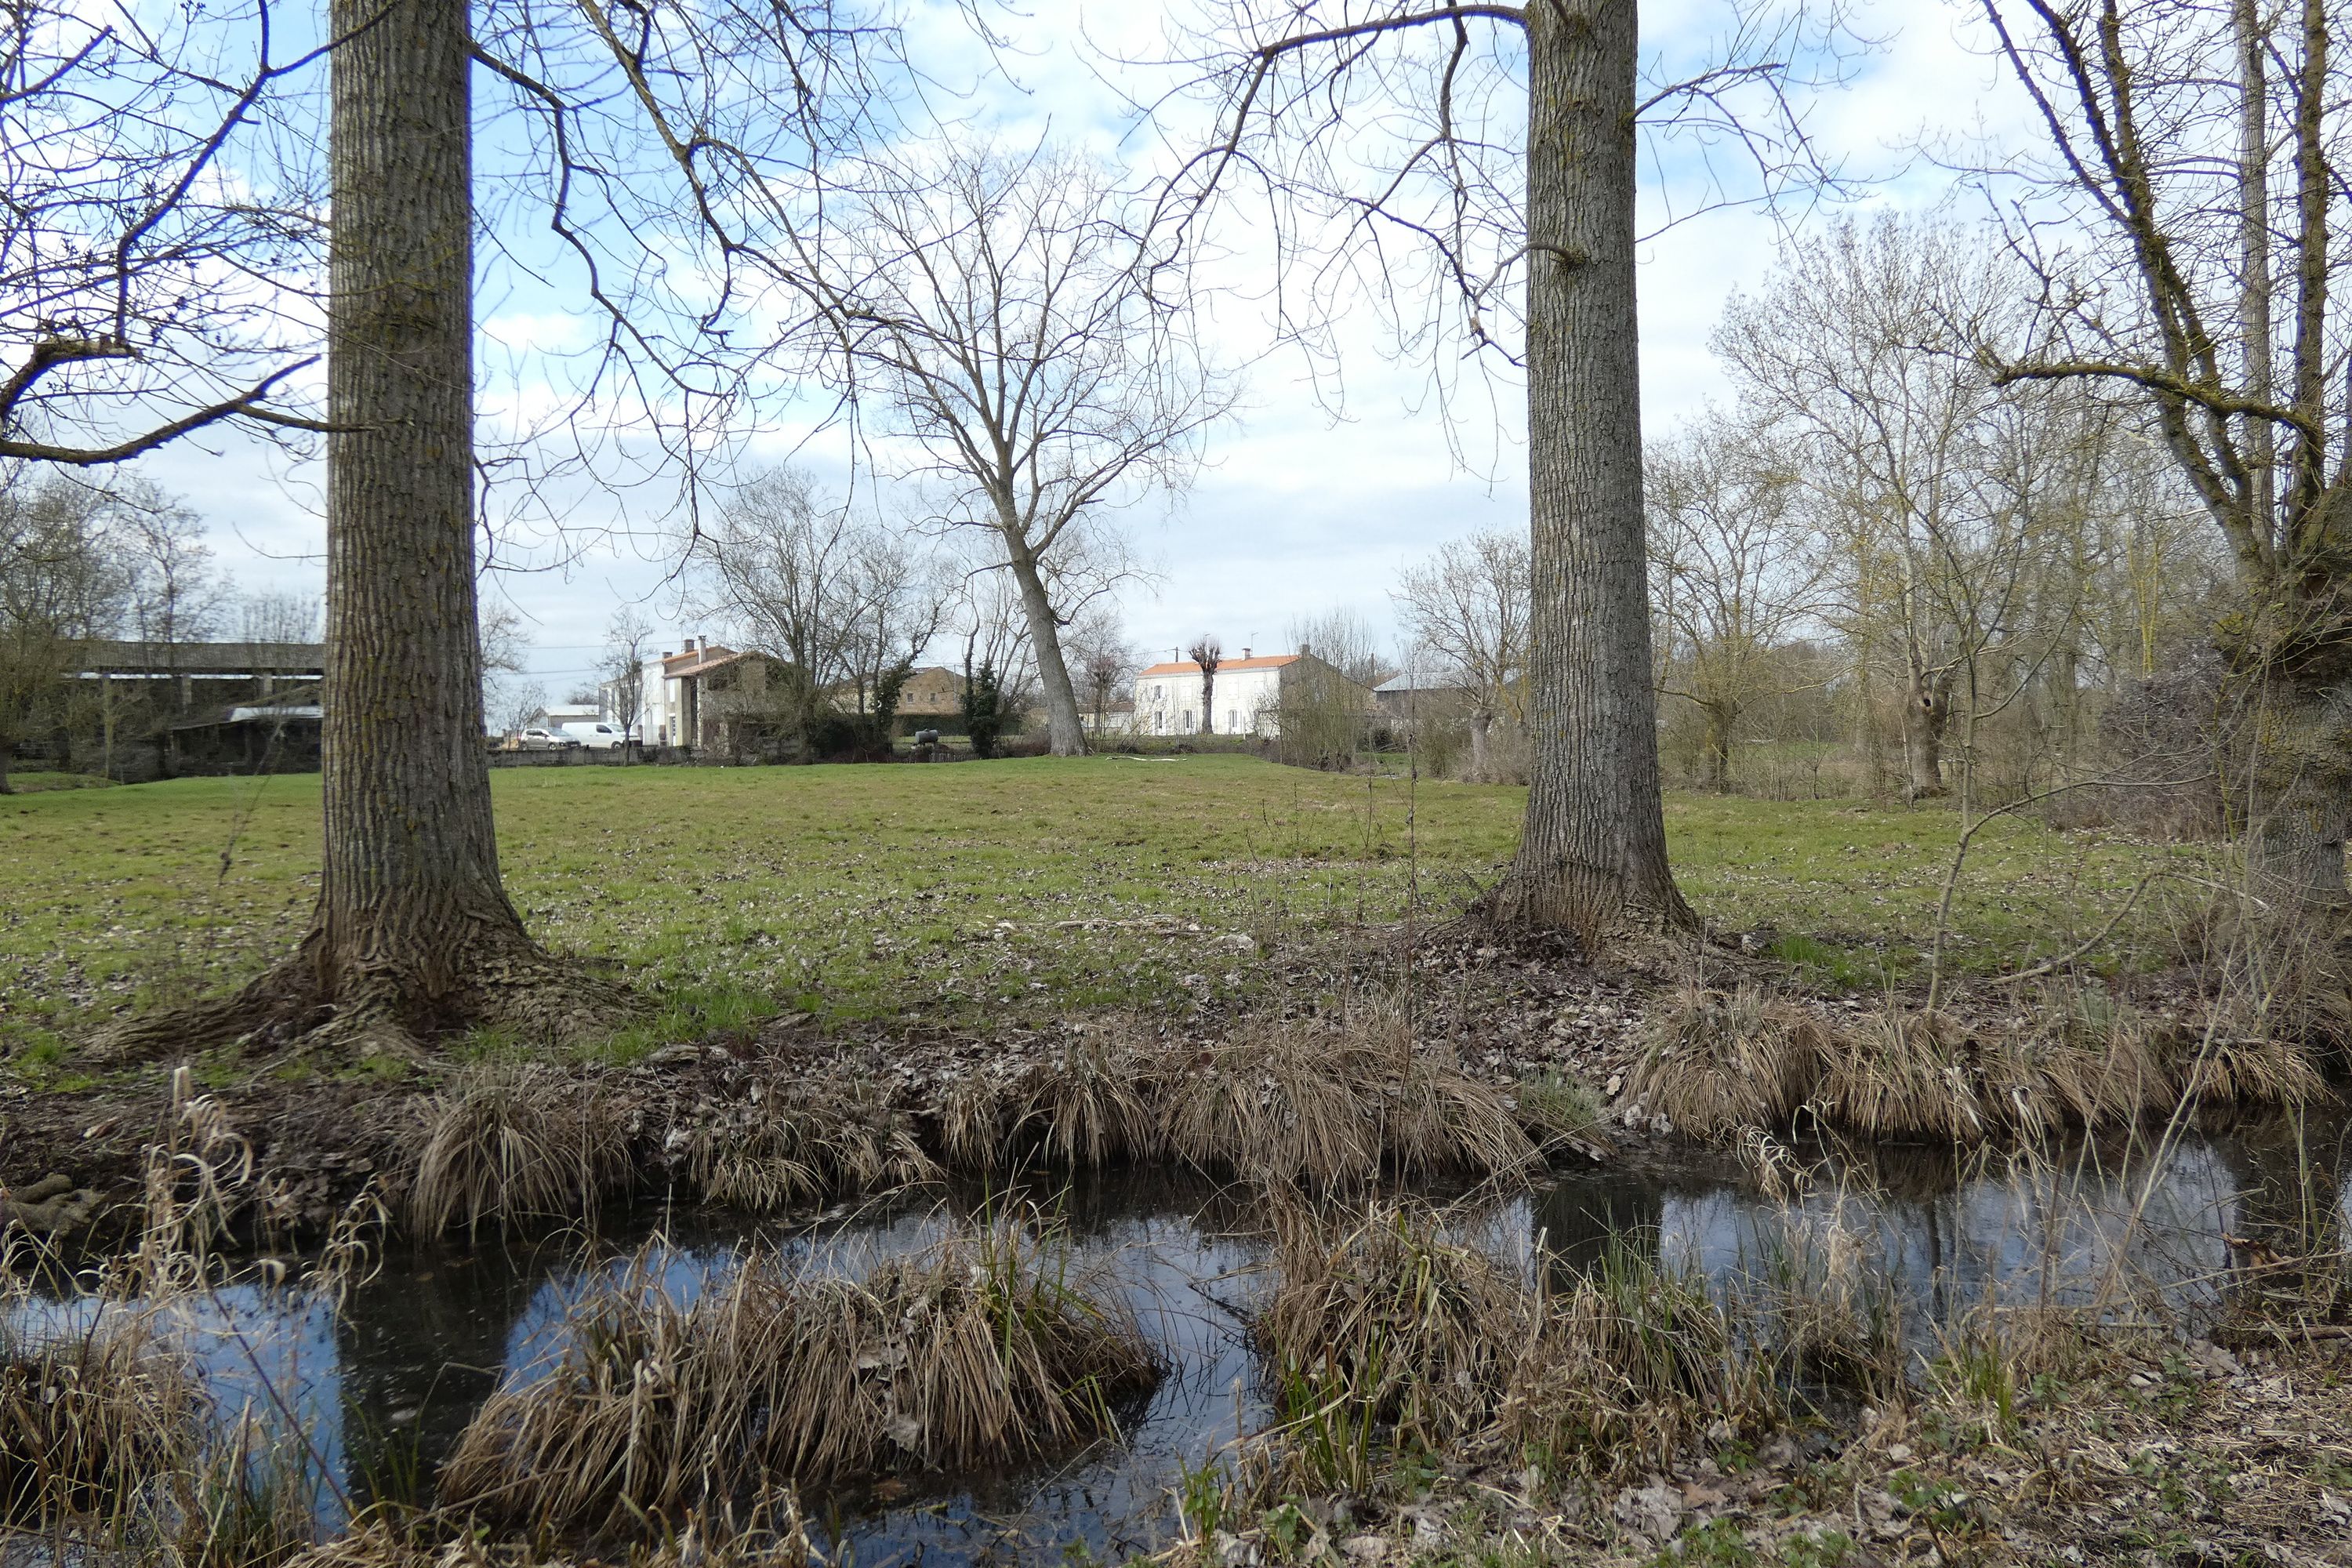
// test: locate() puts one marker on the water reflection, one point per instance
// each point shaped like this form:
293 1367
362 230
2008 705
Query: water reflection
386 1384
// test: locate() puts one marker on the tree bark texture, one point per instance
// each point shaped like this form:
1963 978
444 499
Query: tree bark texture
1065 733
412 895
413 934
1927 707
1594 845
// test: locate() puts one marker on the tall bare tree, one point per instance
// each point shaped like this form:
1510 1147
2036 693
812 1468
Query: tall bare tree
2199 152
838 599
1736 577
413 932
995 300
622 667
60 582
1436 155
1467 606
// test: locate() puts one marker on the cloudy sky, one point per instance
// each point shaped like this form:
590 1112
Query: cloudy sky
1299 511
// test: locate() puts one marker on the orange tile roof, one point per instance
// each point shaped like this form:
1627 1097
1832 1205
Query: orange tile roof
1187 666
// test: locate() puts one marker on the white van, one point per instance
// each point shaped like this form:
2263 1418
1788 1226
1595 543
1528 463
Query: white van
596 735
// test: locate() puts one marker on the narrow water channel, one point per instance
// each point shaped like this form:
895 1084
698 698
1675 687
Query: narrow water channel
383 1385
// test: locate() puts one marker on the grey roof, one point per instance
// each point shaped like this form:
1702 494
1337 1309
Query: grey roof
1409 681
201 657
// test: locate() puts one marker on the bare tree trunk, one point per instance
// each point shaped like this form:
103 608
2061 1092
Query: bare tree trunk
1927 707
1481 723
2303 794
1064 731
1208 700
1719 720
1594 845
413 932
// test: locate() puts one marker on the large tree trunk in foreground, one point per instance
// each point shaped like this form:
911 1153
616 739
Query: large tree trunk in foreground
1594 845
1065 734
413 932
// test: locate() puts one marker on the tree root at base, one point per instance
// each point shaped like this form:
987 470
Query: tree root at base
381 1011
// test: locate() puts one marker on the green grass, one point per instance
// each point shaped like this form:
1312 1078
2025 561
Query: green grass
1017 889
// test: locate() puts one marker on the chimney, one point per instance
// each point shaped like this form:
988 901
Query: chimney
1244 653
1304 650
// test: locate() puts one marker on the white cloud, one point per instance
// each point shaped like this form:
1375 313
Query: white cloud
1298 514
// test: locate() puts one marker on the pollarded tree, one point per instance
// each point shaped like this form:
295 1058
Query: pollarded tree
1207 654
1439 154
995 301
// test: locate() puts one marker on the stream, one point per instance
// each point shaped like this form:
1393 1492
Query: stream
383 1385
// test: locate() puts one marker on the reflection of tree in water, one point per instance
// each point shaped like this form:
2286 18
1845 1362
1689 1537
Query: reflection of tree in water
422 1345
1578 1220
2291 1173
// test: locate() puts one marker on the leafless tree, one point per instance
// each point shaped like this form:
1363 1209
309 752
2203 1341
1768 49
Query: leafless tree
2182 207
148 273
994 300
1207 654
1735 573
1934 487
1103 660
627 636
1344 640
839 600
1467 607
279 617
60 582
1472 168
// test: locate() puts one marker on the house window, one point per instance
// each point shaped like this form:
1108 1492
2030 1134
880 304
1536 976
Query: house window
1232 720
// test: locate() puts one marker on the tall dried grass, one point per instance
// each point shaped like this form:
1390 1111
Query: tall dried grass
794 1139
1383 1333
1627 1368
1332 1100
1716 1064
504 1143
91 1420
982 1349
1717 1061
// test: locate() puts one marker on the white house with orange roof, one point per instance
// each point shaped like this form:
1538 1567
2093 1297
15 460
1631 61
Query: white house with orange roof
1245 698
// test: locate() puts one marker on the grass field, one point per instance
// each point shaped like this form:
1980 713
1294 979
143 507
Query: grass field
947 894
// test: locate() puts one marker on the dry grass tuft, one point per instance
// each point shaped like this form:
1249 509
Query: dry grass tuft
981 1349
1904 1075
1627 1368
1383 1333
1718 1063
91 1420
1091 1105
1714 1062
1330 1101
1278 1103
1381 1325
794 1138
504 1144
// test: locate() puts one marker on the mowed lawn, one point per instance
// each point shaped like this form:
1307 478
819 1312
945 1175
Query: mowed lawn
952 894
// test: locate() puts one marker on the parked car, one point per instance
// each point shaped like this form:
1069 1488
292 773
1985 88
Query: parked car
538 740
598 736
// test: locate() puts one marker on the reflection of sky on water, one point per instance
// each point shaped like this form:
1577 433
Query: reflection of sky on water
2061 1235
415 1350
269 1359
